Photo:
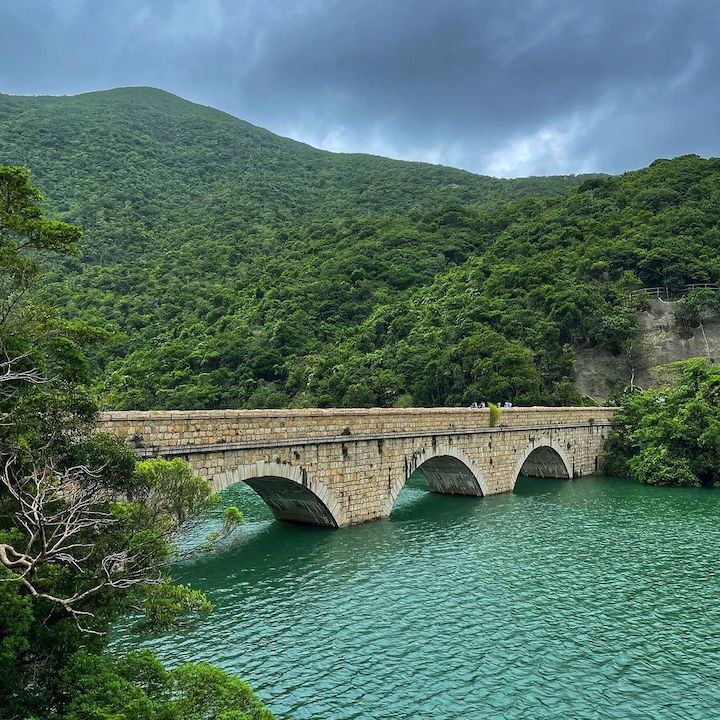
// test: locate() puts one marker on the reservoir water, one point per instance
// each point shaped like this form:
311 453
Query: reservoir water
593 598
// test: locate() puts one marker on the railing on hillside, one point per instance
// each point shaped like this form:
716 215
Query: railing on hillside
664 293
707 286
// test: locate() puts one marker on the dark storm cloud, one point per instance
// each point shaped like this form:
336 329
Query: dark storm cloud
503 87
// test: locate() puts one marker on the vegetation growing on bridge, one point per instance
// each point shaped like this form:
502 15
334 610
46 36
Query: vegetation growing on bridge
86 532
671 436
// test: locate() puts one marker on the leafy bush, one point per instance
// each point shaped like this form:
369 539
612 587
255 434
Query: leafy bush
137 687
653 466
494 414
689 310
671 436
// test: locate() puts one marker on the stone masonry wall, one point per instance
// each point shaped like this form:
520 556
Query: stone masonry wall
170 428
342 467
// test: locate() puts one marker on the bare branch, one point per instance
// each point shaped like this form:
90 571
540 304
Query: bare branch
9 373
56 509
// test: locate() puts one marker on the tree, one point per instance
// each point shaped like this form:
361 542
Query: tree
25 231
138 687
671 436
85 537
59 516
170 487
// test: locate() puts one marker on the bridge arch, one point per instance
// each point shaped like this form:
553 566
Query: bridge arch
289 492
543 458
448 470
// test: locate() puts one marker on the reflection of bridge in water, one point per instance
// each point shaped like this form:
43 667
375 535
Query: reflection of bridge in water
341 467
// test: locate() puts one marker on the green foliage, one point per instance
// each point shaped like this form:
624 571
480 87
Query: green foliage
204 691
689 310
494 414
671 436
143 171
24 229
654 465
440 306
170 486
164 604
137 687
232 518
16 617
39 638
96 547
228 267
223 262
42 637
36 414
114 458
616 454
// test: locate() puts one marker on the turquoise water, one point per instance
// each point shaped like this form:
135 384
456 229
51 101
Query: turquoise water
592 598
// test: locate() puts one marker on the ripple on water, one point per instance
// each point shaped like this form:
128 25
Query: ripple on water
594 598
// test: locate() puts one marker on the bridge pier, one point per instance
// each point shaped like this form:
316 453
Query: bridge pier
341 467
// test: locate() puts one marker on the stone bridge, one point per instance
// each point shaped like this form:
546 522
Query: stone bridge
341 467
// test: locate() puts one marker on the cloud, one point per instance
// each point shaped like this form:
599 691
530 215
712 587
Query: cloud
558 146
530 86
190 19
530 154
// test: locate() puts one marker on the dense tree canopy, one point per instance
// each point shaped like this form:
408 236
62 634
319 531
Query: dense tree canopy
199 235
671 436
144 172
226 267
86 531
430 307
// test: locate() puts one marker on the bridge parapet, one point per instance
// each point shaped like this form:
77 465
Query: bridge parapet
162 430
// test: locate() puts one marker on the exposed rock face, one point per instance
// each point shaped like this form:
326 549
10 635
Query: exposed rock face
659 342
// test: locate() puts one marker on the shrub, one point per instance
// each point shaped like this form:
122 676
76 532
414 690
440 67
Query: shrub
654 466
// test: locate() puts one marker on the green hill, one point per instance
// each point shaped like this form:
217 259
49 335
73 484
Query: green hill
191 214
559 276
230 267
176 168
427 308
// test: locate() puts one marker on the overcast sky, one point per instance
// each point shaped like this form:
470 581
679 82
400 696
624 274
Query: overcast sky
502 87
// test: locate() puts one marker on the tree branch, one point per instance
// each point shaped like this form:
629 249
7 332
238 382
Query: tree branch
55 508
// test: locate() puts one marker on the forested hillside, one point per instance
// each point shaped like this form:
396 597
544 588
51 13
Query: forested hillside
163 170
228 267
505 323
424 308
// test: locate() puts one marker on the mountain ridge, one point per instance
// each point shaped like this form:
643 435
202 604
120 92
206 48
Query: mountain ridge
156 171
160 93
